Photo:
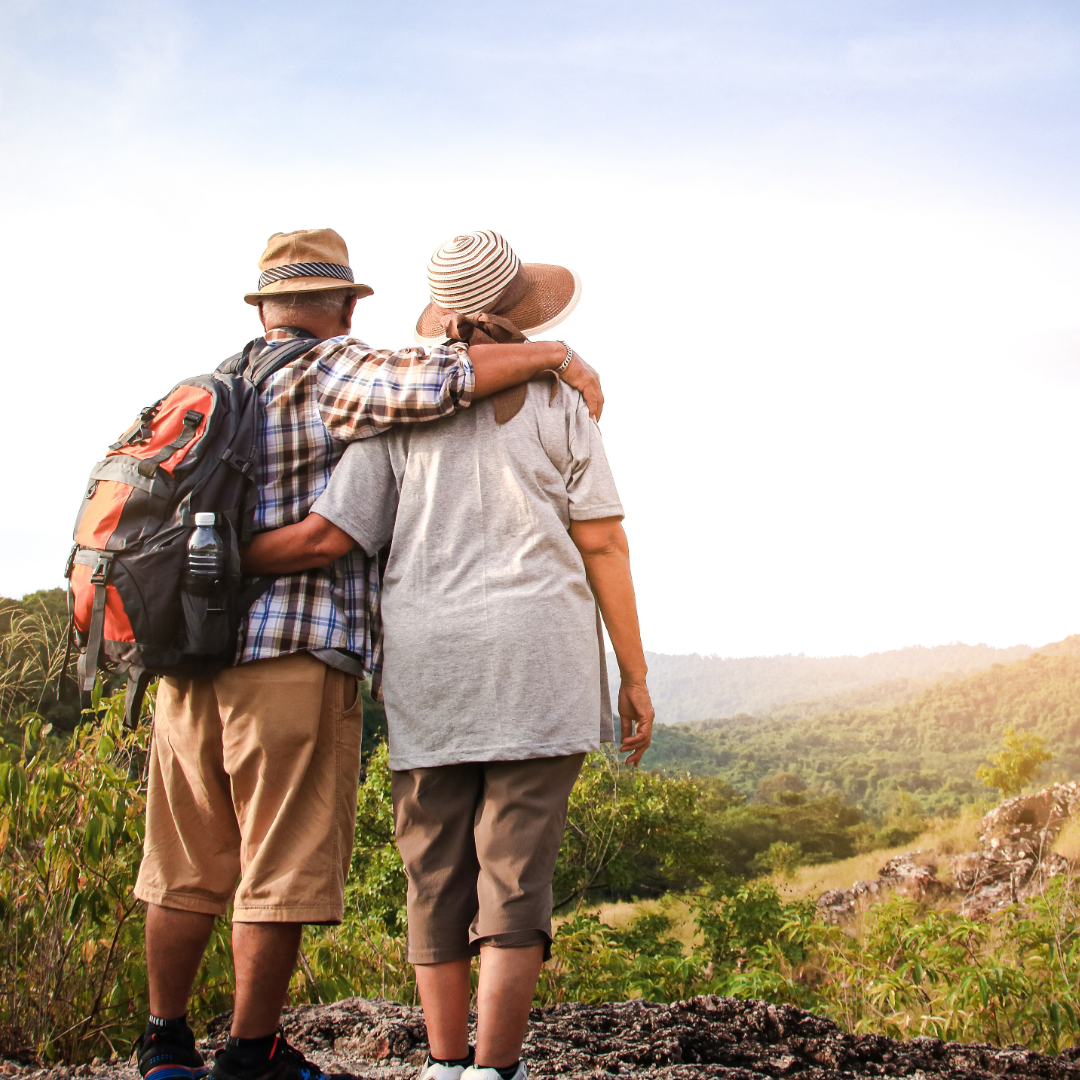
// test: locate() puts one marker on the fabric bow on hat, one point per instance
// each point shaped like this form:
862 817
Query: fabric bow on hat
488 329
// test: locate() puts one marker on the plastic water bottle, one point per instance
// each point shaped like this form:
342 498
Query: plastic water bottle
206 553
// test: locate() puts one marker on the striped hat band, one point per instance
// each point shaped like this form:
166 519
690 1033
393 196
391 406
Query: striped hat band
305 269
468 273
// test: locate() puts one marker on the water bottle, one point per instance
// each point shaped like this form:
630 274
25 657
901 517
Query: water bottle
206 553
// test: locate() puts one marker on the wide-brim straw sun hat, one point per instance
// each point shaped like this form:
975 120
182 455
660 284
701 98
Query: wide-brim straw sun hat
479 272
305 260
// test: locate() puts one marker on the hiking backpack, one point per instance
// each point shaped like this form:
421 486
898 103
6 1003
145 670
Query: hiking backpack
134 609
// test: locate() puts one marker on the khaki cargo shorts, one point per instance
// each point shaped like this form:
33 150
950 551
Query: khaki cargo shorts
479 842
252 792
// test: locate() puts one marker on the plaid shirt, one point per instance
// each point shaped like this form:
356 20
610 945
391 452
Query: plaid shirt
340 391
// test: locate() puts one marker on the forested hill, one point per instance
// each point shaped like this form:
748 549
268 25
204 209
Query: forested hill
929 744
700 687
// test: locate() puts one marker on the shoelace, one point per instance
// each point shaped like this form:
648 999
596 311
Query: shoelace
283 1049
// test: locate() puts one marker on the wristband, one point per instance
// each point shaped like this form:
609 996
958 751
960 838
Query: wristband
569 356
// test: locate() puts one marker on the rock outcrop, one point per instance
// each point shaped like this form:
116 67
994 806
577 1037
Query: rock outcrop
1013 862
913 874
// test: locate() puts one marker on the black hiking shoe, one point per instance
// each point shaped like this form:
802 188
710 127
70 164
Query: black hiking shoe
168 1053
284 1063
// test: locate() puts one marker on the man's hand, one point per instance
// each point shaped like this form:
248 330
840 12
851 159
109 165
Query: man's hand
636 717
582 377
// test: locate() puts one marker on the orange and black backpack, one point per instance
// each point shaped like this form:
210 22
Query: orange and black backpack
194 450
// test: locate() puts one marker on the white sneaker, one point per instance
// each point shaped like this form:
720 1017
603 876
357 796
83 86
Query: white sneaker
474 1073
434 1071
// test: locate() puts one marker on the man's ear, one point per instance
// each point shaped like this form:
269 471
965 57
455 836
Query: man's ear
347 312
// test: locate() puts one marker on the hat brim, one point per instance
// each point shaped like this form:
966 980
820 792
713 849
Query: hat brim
297 286
552 292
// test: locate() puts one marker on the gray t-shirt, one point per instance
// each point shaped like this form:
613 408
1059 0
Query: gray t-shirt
493 649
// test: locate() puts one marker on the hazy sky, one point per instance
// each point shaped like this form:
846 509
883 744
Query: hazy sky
831 255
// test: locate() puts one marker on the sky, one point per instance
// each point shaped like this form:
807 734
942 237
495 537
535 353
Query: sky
829 251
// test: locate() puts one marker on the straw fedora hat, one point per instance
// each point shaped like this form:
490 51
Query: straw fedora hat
306 260
479 272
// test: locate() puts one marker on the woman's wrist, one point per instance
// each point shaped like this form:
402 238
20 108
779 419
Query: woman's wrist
554 354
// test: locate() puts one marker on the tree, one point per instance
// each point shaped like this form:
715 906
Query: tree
779 858
1017 764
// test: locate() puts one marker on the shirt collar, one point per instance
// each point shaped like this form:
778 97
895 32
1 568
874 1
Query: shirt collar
287 333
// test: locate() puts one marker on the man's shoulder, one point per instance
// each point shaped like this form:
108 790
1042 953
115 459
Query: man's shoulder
343 347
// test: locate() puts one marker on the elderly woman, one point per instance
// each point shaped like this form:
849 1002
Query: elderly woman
505 537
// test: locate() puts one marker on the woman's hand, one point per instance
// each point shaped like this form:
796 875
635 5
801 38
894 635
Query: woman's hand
636 716
582 377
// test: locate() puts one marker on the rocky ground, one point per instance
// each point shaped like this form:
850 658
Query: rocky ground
1013 862
705 1037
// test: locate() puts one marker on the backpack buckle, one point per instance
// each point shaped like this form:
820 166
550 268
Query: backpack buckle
241 465
101 571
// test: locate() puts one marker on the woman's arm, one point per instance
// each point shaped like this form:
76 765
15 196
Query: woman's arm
306 545
498 367
606 554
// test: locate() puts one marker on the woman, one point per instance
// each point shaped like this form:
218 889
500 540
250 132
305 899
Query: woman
506 538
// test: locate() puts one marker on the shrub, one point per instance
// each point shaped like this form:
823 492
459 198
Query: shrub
71 835
632 833
71 930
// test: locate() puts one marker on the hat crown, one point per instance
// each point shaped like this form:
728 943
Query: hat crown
304 246
468 273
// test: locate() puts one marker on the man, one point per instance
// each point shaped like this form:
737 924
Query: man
253 773
506 524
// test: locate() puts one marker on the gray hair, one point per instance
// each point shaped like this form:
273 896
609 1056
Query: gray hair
290 306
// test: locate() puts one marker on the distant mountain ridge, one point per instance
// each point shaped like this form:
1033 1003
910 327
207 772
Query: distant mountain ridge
688 688
928 743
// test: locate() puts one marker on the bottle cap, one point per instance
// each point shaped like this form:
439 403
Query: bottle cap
204 519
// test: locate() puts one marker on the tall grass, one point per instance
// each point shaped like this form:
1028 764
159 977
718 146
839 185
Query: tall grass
943 836
31 657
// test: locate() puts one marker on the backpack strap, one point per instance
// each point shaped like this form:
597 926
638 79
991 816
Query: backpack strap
237 362
192 419
257 362
138 679
273 360
88 662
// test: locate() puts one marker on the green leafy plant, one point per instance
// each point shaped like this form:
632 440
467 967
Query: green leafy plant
1017 765
72 972
632 833
71 836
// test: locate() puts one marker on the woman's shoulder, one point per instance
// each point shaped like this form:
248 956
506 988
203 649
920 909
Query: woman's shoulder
548 392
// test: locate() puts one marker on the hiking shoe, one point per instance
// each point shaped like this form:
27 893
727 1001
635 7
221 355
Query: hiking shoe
433 1070
284 1063
474 1072
169 1053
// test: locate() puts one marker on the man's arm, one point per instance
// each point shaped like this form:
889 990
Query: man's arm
606 554
498 367
306 545
362 392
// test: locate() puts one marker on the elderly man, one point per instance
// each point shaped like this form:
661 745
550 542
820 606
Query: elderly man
254 771
507 534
